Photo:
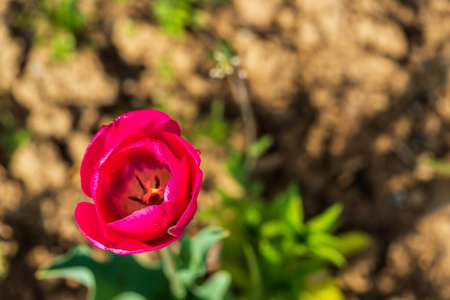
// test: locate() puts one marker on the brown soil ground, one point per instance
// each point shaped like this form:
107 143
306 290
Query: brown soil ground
356 94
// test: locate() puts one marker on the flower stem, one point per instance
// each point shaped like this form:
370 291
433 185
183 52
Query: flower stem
170 269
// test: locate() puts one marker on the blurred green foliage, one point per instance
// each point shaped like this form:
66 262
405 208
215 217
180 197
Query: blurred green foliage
165 71
123 277
55 25
272 251
12 135
64 15
214 126
3 271
439 166
175 16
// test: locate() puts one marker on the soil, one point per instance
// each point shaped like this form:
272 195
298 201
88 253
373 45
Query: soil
355 93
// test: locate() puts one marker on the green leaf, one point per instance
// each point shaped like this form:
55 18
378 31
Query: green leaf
329 254
106 280
287 206
258 148
170 270
217 287
274 228
129 296
252 215
194 250
269 252
353 242
254 271
326 221
294 209
323 239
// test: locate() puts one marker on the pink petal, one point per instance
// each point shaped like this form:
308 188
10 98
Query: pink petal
179 146
144 151
105 214
86 216
189 213
133 246
164 155
148 223
177 194
143 225
150 122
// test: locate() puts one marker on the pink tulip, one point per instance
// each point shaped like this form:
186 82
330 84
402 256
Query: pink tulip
144 179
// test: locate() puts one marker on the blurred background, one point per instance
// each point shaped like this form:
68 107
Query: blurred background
352 99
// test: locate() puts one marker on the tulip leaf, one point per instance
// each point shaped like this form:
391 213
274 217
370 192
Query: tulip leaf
170 270
326 221
194 250
129 296
109 279
217 287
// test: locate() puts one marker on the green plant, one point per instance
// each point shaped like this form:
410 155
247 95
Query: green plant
64 15
175 16
214 126
55 25
12 135
123 277
272 251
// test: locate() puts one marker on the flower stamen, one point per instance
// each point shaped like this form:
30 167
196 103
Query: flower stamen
152 195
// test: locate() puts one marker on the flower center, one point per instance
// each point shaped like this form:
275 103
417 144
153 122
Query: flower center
150 195
136 187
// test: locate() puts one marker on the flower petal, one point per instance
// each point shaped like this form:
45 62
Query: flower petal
104 212
134 247
178 194
148 223
189 213
144 151
179 146
150 122
86 218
